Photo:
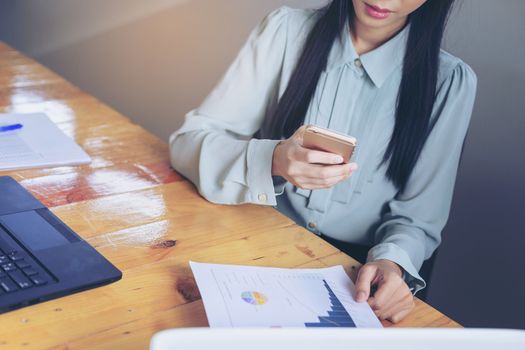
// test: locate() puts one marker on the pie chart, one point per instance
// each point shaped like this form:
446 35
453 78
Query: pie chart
254 298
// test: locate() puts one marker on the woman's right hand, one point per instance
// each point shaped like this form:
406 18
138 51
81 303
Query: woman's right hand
306 168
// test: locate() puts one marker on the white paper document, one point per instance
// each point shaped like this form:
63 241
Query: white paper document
39 143
245 296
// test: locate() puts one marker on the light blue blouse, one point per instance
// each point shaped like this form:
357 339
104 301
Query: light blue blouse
356 95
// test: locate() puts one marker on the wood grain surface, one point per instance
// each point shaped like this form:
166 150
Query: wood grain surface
146 219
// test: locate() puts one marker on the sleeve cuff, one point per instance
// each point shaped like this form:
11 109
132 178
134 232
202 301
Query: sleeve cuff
279 183
260 180
392 252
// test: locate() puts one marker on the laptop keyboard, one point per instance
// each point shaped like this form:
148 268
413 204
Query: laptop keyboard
18 270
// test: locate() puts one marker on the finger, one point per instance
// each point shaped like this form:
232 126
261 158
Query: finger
365 277
319 171
312 171
401 300
398 317
401 294
406 303
329 171
387 287
317 157
314 184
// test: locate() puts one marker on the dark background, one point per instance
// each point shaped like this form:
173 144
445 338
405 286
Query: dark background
479 274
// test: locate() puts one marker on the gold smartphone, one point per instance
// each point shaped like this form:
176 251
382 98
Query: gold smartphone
326 140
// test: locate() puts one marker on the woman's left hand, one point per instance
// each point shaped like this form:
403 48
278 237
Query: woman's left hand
393 299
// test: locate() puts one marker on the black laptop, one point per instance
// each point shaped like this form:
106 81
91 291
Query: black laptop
40 257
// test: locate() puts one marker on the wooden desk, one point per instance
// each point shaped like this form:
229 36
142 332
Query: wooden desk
146 219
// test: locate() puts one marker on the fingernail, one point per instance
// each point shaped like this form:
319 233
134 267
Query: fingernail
353 166
361 297
338 160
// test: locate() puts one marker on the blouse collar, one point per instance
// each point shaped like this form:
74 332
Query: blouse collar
378 63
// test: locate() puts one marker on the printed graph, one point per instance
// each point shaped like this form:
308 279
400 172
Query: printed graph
247 296
254 298
337 314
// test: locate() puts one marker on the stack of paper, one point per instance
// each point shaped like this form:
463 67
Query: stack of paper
37 142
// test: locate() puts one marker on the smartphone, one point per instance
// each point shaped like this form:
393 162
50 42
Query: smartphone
326 140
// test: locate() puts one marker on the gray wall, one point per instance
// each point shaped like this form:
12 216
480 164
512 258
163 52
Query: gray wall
152 60
479 276
155 60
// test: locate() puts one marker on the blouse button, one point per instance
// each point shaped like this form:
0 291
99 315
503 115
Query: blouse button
312 225
358 63
263 198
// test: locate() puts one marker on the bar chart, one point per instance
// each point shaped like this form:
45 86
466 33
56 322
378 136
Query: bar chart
337 314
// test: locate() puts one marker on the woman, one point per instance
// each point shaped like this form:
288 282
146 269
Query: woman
372 69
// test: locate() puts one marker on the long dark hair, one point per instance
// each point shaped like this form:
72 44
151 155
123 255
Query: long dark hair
417 90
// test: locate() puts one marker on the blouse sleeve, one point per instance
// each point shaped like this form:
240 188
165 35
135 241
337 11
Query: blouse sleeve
214 147
410 230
